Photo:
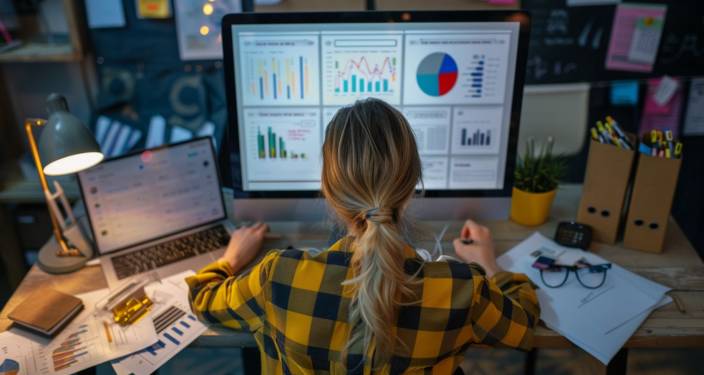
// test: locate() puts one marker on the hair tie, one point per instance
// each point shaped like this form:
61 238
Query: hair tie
380 215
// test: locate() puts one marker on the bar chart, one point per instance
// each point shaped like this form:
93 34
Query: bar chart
280 79
175 329
279 70
478 138
273 146
73 348
476 73
476 130
358 66
358 76
282 144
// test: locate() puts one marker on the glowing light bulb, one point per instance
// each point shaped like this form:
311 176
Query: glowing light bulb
207 9
204 30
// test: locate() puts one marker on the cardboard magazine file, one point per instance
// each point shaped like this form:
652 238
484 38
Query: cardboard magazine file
651 201
604 192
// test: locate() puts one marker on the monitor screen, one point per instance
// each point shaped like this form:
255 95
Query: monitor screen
144 196
454 82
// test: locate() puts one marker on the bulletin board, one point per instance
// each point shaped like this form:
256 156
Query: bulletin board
147 94
570 43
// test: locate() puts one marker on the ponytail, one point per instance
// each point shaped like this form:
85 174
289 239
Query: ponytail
379 283
371 168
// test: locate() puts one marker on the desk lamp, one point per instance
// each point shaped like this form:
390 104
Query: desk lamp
66 146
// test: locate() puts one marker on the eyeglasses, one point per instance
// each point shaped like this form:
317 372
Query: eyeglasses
588 275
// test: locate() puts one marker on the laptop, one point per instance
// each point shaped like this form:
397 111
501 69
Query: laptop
159 210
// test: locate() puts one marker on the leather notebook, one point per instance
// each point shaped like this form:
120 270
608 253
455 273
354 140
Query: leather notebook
46 311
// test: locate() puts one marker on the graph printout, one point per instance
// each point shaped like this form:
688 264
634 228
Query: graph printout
86 342
452 81
175 325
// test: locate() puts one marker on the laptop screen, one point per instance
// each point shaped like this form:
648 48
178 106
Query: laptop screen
151 194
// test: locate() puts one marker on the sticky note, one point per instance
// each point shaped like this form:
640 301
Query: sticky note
665 90
694 120
624 93
635 37
153 8
179 134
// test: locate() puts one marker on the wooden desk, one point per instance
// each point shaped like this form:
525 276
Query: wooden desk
678 267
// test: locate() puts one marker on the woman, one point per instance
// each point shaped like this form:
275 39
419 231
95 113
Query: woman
369 303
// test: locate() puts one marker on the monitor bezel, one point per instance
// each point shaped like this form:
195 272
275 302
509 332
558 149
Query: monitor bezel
136 153
231 143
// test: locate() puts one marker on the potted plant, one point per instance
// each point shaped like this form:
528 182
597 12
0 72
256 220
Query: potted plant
535 182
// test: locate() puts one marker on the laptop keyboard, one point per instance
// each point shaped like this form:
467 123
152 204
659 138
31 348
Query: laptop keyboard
172 251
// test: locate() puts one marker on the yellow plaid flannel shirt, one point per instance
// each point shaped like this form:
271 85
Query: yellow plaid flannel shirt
297 309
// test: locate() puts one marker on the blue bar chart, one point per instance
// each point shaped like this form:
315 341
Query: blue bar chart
476 73
280 79
175 329
279 70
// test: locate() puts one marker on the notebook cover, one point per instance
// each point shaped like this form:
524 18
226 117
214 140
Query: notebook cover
45 310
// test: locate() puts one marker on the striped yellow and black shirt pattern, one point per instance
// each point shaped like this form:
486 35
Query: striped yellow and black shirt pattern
297 308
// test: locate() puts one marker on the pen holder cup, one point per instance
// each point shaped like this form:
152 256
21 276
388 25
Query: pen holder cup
605 184
651 200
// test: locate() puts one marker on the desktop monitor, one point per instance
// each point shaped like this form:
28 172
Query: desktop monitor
456 76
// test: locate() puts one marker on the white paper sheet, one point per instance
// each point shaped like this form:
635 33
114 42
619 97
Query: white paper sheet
155 136
610 316
110 137
85 342
134 138
105 13
179 134
121 141
199 33
101 128
694 120
175 325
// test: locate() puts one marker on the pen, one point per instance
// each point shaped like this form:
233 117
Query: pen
669 138
594 135
678 150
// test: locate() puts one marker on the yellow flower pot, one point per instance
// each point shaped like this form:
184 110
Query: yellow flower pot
531 209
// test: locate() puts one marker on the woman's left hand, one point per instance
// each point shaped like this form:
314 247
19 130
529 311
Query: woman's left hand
244 245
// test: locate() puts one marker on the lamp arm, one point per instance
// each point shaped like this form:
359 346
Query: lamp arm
64 248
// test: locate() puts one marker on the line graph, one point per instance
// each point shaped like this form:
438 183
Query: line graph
359 76
361 66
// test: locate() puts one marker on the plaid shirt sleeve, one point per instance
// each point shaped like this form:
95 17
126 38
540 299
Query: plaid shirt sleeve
504 310
218 296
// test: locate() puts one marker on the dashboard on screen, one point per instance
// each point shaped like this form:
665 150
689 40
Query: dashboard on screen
453 81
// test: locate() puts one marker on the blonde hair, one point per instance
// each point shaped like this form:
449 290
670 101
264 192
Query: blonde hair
371 168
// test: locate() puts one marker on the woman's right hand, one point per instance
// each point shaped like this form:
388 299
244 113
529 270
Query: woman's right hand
476 246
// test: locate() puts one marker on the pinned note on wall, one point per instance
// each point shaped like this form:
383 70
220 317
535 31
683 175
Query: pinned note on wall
153 8
694 119
635 37
624 93
662 115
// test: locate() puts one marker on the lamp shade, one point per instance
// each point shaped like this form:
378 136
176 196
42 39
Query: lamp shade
66 146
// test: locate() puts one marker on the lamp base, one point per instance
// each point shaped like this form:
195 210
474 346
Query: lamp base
50 262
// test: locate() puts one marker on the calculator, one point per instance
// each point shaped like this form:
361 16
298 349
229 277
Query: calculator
573 234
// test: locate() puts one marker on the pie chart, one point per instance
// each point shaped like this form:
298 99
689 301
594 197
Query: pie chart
9 367
437 74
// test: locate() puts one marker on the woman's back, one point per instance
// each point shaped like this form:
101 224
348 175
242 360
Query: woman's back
368 303
297 307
